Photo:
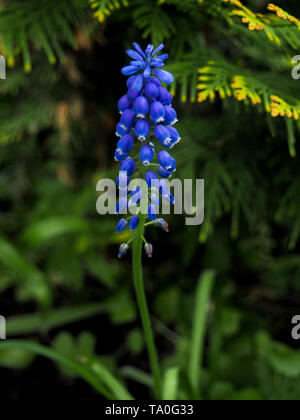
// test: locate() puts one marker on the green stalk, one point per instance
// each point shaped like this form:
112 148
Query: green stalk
142 304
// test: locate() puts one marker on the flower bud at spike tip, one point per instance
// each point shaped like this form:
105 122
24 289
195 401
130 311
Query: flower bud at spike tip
149 250
123 250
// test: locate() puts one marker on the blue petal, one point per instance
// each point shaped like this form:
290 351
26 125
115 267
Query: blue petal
133 54
139 49
157 63
147 72
129 70
159 48
138 63
149 50
164 76
162 57
138 83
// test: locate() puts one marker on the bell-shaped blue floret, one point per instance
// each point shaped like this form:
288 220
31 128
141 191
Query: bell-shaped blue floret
152 91
155 80
132 94
163 135
120 156
157 112
165 160
123 181
121 225
130 81
164 76
163 172
124 103
154 199
151 179
175 136
137 84
171 115
125 144
121 206
141 107
135 199
134 222
152 212
142 129
128 166
146 155
165 97
121 131
127 119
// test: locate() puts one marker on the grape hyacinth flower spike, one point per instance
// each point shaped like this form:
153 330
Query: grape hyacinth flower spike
146 134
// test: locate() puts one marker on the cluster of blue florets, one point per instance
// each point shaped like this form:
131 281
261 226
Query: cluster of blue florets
147 115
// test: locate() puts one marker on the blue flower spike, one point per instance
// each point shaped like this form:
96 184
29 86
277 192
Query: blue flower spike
147 117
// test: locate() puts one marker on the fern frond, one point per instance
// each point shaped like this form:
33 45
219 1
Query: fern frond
153 20
23 24
103 8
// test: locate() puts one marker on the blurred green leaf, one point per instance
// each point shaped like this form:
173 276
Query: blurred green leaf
135 341
83 371
32 281
41 232
170 386
121 307
31 323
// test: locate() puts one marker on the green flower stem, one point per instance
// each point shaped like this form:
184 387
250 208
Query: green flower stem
142 304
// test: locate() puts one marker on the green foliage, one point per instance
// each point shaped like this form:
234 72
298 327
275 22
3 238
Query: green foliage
48 25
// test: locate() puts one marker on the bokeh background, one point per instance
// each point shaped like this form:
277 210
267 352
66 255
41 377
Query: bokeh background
61 284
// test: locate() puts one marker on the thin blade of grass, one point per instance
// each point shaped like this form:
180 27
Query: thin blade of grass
203 295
